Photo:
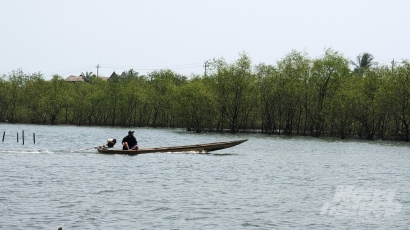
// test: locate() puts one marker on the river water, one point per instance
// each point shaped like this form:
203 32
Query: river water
268 182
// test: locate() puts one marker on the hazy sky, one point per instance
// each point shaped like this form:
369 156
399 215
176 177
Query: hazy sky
70 37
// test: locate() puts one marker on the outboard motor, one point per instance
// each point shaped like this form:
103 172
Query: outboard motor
111 142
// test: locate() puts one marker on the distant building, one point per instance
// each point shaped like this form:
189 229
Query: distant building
115 75
80 78
73 78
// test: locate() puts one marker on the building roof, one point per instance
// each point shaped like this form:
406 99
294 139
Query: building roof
73 78
80 78
115 75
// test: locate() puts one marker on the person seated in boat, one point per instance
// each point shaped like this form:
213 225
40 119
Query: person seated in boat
129 142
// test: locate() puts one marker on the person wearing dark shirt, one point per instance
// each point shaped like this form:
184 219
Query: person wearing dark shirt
129 142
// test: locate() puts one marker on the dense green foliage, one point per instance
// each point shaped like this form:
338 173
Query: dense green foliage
297 96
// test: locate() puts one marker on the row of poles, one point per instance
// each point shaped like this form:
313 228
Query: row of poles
22 137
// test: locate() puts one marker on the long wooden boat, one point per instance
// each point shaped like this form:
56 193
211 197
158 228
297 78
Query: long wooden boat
200 148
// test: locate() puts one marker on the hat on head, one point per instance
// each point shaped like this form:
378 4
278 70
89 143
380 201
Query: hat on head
129 132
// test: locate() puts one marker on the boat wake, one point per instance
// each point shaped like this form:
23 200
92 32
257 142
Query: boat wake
24 151
223 154
187 152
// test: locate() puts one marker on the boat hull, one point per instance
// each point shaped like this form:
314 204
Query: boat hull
200 148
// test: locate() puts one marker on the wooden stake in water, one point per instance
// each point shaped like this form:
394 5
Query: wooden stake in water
34 138
17 136
4 134
22 136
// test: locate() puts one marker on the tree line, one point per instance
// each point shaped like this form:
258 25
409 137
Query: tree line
298 95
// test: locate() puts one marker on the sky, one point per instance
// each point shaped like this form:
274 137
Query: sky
68 37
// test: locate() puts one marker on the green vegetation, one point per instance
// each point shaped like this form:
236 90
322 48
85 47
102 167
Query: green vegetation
297 96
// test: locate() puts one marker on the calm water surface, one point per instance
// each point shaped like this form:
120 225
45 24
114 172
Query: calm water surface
268 182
